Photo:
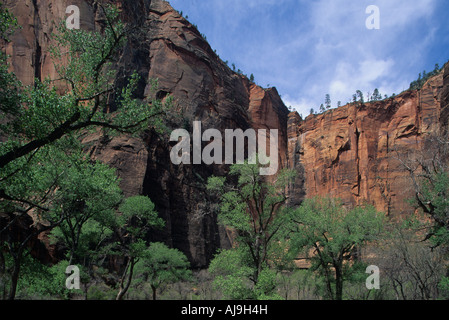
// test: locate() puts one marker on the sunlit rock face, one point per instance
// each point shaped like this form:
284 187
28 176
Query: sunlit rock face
354 152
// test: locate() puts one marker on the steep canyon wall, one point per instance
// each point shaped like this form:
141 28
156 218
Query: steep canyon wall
350 152
169 48
356 152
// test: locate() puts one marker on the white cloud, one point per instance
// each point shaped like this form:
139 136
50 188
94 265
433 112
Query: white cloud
302 106
309 48
401 13
365 76
347 57
372 70
339 88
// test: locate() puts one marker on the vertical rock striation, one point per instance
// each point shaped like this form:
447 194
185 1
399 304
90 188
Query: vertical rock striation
353 152
444 119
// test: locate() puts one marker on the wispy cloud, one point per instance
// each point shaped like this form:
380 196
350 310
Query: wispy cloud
309 48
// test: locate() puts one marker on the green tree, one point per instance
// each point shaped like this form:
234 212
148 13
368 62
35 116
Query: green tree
88 195
359 94
255 210
376 95
39 281
327 101
429 177
163 265
251 78
23 220
137 216
42 126
322 109
84 62
429 173
9 85
232 273
333 233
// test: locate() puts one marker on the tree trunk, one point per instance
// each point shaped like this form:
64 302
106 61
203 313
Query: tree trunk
2 276
153 288
124 288
328 283
14 279
338 283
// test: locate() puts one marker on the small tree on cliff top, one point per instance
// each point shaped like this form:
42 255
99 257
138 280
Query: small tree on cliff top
327 101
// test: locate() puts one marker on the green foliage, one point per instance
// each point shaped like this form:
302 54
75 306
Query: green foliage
100 292
253 207
435 193
430 177
359 94
325 223
40 281
267 285
84 62
162 265
43 167
444 286
138 214
377 96
232 274
87 197
8 23
57 285
32 179
327 101
137 217
255 210
251 78
9 85
325 227
422 78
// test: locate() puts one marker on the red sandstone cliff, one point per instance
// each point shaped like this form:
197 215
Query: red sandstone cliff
352 152
349 152
171 49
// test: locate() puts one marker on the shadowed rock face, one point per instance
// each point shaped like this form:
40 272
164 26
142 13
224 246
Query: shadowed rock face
352 152
168 48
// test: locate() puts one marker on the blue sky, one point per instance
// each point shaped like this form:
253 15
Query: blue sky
307 49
